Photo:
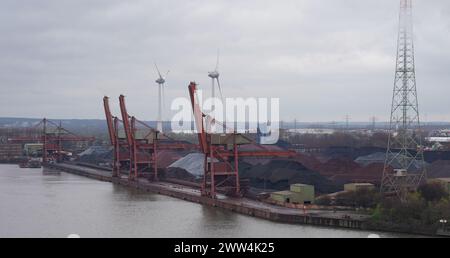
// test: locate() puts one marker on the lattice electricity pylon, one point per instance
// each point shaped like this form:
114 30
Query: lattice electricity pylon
404 166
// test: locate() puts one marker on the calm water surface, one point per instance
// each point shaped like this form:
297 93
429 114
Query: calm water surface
35 203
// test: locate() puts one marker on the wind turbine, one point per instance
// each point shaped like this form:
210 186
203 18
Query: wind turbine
214 75
160 81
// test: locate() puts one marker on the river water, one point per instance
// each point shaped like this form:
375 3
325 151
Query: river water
36 203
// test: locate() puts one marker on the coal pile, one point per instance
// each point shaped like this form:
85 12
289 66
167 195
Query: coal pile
344 170
379 158
371 173
179 173
191 163
439 169
347 152
255 161
280 174
337 166
96 155
165 158
432 156
309 161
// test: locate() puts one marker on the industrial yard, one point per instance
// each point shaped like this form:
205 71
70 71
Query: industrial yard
328 168
310 178
267 175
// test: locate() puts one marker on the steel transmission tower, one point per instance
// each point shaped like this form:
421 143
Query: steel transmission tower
403 169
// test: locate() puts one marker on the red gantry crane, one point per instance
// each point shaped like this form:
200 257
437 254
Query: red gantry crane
221 163
138 144
120 145
52 136
142 151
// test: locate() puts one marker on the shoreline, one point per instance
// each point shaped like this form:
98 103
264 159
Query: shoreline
242 206
252 208
239 205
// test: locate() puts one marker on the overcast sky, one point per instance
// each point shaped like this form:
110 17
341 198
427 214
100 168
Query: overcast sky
323 59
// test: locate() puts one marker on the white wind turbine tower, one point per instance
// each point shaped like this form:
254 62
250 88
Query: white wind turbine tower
214 75
160 81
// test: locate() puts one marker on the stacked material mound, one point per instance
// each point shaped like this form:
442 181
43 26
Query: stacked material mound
256 148
337 170
348 152
439 169
371 173
280 174
96 155
167 157
379 158
334 167
344 170
191 163
179 173
96 150
309 161
255 160
432 156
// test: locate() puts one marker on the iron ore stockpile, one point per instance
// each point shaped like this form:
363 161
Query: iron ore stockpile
98 155
328 170
327 173
280 174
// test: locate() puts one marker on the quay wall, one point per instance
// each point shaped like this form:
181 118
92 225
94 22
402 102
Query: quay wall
224 204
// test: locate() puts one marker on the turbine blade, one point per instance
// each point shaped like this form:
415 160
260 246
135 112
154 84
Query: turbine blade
158 71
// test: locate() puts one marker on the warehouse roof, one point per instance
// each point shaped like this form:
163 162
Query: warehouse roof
443 179
361 184
285 193
300 185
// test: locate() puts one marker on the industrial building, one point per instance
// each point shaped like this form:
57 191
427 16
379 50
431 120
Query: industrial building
298 194
33 149
358 187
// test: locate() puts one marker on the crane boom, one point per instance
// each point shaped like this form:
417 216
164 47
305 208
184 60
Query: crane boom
109 121
126 120
198 117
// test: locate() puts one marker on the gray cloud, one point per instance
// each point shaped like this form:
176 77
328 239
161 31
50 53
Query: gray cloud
324 59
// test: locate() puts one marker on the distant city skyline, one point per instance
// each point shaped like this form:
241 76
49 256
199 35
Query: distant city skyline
323 59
